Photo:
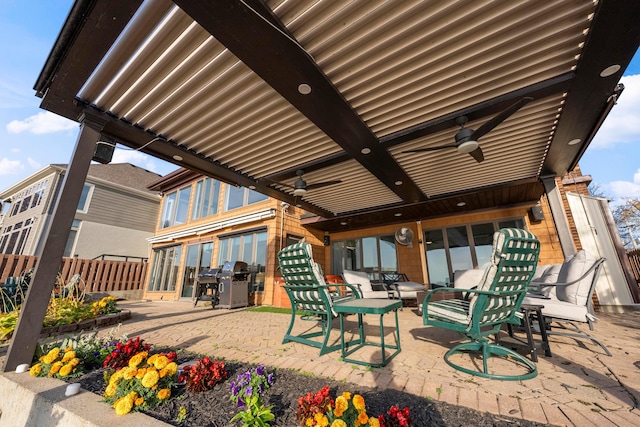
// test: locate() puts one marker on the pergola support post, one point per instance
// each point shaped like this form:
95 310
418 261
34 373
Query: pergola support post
27 331
559 215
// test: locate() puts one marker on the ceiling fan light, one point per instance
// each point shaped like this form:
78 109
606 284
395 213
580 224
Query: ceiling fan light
467 146
299 191
299 187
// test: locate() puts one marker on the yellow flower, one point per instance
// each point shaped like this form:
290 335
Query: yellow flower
141 373
68 356
129 372
51 356
341 405
35 370
68 349
161 362
137 359
172 368
139 401
321 419
74 362
338 423
103 304
346 395
362 418
111 390
123 406
309 422
55 368
358 402
373 422
165 393
150 379
65 370
152 359
117 375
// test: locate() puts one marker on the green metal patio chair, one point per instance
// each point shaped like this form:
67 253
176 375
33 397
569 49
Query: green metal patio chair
308 293
495 301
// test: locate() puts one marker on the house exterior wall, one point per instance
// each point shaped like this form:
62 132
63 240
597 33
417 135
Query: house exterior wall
121 242
285 222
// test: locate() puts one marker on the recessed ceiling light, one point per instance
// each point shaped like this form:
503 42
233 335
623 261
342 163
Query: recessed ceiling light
365 150
343 223
398 182
610 70
304 89
574 141
177 157
397 214
298 206
461 204
252 187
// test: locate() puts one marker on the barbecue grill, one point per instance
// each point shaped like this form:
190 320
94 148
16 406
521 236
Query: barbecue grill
226 286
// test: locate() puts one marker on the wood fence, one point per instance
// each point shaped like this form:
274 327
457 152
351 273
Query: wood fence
634 260
97 275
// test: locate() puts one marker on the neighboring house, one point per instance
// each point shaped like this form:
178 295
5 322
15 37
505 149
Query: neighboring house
115 203
204 223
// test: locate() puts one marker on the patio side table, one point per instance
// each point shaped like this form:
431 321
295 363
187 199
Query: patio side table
533 311
369 306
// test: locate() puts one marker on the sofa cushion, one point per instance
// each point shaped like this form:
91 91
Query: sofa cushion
549 275
572 270
560 309
358 278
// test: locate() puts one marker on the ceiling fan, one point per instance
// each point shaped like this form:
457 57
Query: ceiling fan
466 140
300 186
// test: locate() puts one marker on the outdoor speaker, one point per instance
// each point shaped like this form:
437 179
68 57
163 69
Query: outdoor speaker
327 240
104 152
536 213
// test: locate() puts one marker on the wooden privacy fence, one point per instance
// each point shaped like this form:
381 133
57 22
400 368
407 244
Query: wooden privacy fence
97 275
634 260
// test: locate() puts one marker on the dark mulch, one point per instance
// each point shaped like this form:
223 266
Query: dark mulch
214 409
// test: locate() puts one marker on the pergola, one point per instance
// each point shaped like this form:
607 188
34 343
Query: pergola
250 92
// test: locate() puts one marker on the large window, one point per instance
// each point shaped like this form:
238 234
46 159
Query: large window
236 197
375 254
198 258
85 198
26 199
461 247
250 248
206 198
14 237
71 240
164 271
175 208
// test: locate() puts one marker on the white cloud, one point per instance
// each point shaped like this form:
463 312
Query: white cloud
33 163
10 167
41 123
15 150
135 158
622 125
626 189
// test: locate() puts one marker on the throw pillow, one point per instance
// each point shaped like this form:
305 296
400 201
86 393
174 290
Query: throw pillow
572 270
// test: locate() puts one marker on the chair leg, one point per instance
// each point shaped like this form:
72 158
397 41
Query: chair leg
488 350
579 333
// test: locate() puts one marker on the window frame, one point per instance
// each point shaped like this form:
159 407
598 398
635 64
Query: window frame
247 192
359 259
497 224
226 250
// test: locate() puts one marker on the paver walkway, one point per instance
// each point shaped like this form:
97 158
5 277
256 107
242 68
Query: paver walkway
579 385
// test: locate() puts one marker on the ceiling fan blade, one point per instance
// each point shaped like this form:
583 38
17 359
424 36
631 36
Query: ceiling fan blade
477 154
501 117
420 150
323 184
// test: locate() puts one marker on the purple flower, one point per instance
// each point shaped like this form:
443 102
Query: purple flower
260 370
249 390
240 403
270 379
260 388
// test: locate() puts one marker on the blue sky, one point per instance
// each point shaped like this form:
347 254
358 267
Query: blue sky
30 138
